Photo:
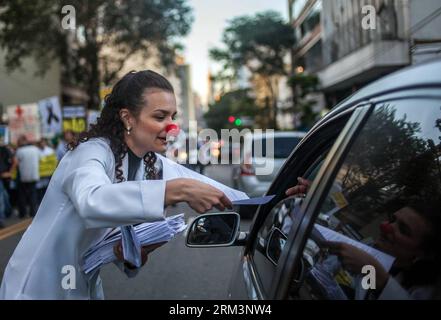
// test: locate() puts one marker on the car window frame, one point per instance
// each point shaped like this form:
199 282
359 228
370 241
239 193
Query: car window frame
304 162
291 254
332 129
311 214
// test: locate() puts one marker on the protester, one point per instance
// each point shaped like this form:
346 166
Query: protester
28 157
8 164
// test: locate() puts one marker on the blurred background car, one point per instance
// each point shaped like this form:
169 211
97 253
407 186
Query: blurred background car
244 176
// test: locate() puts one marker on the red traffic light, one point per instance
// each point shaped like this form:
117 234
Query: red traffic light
231 119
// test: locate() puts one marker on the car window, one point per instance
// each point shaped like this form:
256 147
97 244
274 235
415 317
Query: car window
272 236
271 239
283 146
377 234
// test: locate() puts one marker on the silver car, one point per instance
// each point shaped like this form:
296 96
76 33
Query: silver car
373 164
244 176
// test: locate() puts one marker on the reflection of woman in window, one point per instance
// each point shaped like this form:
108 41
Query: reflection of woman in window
411 236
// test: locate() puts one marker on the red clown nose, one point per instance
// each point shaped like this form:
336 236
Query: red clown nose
172 129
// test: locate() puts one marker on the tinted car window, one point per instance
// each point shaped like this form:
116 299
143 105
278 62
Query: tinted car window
263 252
283 146
272 236
382 212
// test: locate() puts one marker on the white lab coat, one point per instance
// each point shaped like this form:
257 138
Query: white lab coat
81 203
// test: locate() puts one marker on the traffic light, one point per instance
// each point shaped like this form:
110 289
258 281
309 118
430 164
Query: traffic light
234 120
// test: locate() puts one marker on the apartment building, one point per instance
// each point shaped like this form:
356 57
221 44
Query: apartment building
350 43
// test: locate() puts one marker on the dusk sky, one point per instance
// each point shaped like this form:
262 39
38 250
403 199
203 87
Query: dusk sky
211 18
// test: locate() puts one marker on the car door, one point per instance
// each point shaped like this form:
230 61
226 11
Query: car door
255 275
376 198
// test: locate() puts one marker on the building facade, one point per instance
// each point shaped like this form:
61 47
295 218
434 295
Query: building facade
24 86
350 43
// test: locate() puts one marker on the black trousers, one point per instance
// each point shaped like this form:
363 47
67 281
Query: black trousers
27 197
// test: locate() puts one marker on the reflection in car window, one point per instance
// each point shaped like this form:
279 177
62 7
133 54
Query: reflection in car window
271 237
281 218
383 211
274 231
276 243
283 146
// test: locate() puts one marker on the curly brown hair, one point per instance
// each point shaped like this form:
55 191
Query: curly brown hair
127 93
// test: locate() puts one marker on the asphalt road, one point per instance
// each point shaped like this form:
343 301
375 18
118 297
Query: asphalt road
173 271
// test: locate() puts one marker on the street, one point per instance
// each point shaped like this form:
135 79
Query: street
173 271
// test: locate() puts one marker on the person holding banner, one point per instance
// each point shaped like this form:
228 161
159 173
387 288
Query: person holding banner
91 192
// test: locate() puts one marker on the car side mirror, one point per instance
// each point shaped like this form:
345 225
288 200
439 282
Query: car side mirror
214 230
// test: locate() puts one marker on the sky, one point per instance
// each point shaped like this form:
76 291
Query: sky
211 18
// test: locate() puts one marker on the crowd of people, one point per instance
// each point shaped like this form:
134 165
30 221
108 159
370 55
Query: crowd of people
25 169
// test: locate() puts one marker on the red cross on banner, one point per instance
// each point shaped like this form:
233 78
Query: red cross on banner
19 111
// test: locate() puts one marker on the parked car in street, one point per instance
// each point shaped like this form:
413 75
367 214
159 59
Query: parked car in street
374 167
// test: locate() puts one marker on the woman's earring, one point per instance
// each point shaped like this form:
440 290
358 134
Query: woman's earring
128 130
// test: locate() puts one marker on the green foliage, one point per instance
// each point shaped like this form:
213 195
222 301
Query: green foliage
258 43
390 162
33 29
304 84
235 103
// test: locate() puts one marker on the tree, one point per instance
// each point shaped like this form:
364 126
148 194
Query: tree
259 43
236 103
34 29
303 84
390 163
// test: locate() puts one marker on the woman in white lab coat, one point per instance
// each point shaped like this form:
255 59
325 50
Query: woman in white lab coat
90 192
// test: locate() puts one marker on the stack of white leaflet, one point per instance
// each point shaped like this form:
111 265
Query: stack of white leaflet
146 233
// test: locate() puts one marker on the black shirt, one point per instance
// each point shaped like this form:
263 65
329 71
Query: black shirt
134 163
5 159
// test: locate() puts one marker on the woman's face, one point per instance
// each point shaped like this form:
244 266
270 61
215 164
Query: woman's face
148 128
403 236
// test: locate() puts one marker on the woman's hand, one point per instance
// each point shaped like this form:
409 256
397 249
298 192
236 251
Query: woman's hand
145 250
301 187
354 259
200 196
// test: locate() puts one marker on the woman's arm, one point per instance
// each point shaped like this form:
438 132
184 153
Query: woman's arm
102 203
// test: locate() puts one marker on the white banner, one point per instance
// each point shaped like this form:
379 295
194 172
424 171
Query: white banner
24 120
72 112
51 117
